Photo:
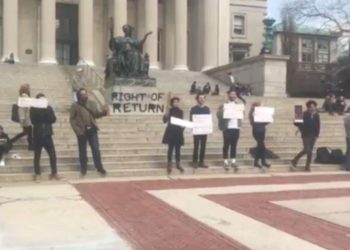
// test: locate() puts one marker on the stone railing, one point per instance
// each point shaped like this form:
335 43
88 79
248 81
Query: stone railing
265 74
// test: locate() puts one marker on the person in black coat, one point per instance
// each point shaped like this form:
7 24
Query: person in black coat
310 131
173 135
259 130
5 146
42 120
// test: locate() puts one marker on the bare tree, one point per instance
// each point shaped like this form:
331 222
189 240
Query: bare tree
331 14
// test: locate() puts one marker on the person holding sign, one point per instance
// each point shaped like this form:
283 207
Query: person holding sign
42 120
259 129
83 115
173 135
310 131
24 119
230 123
199 139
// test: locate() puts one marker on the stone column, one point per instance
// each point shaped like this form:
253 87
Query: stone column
151 24
10 17
210 39
86 36
140 27
180 35
48 31
224 32
120 16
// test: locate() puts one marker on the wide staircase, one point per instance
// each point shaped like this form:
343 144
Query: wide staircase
131 144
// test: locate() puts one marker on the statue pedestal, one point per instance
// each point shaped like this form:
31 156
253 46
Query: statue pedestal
145 82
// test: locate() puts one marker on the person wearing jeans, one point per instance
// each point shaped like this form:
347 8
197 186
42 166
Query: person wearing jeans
231 131
259 130
173 135
83 115
310 131
42 120
199 140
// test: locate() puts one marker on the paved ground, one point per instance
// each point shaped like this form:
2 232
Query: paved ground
284 211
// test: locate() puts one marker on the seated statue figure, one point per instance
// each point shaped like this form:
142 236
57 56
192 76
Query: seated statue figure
127 60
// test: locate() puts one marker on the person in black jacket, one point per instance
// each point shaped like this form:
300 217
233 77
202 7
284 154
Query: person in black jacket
42 120
199 109
5 146
259 130
173 135
310 131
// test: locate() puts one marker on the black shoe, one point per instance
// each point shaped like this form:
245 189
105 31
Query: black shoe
178 167
293 166
202 165
257 165
266 165
103 172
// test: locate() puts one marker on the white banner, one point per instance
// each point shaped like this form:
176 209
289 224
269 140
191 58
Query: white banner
233 111
202 124
181 122
264 114
28 102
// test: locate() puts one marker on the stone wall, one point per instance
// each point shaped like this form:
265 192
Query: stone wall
267 75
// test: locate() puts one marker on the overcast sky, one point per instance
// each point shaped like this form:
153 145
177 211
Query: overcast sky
274 8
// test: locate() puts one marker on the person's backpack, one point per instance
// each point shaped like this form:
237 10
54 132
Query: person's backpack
337 156
323 155
14 113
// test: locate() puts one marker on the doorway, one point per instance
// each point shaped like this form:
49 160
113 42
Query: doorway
67 50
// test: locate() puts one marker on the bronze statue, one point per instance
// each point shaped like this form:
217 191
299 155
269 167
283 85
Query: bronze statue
127 60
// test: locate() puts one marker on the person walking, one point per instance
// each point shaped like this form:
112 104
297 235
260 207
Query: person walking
173 135
24 119
83 115
5 146
42 120
347 131
310 131
199 140
259 130
231 131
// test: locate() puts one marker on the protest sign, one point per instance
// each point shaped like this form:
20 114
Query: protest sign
181 122
233 111
264 114
298 114
28 102
202 124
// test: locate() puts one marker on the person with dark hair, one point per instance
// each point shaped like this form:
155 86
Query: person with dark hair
199 140
42 120
310 131
83 115
5 146
206 89
24 119
259 130
231 131
173 135
193 89
216 90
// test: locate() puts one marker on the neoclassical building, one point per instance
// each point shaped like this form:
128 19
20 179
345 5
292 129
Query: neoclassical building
187 34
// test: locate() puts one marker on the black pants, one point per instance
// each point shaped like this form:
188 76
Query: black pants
231 137
92 138
27 131
48 145
202 141
171 148
308 143
259 136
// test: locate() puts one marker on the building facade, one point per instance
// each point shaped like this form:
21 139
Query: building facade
186 34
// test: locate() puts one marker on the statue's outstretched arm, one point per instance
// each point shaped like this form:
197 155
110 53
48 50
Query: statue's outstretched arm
145 38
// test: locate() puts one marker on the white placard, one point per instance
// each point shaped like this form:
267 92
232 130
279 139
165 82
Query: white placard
181 122
28 102
233 111
202 124
264 114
